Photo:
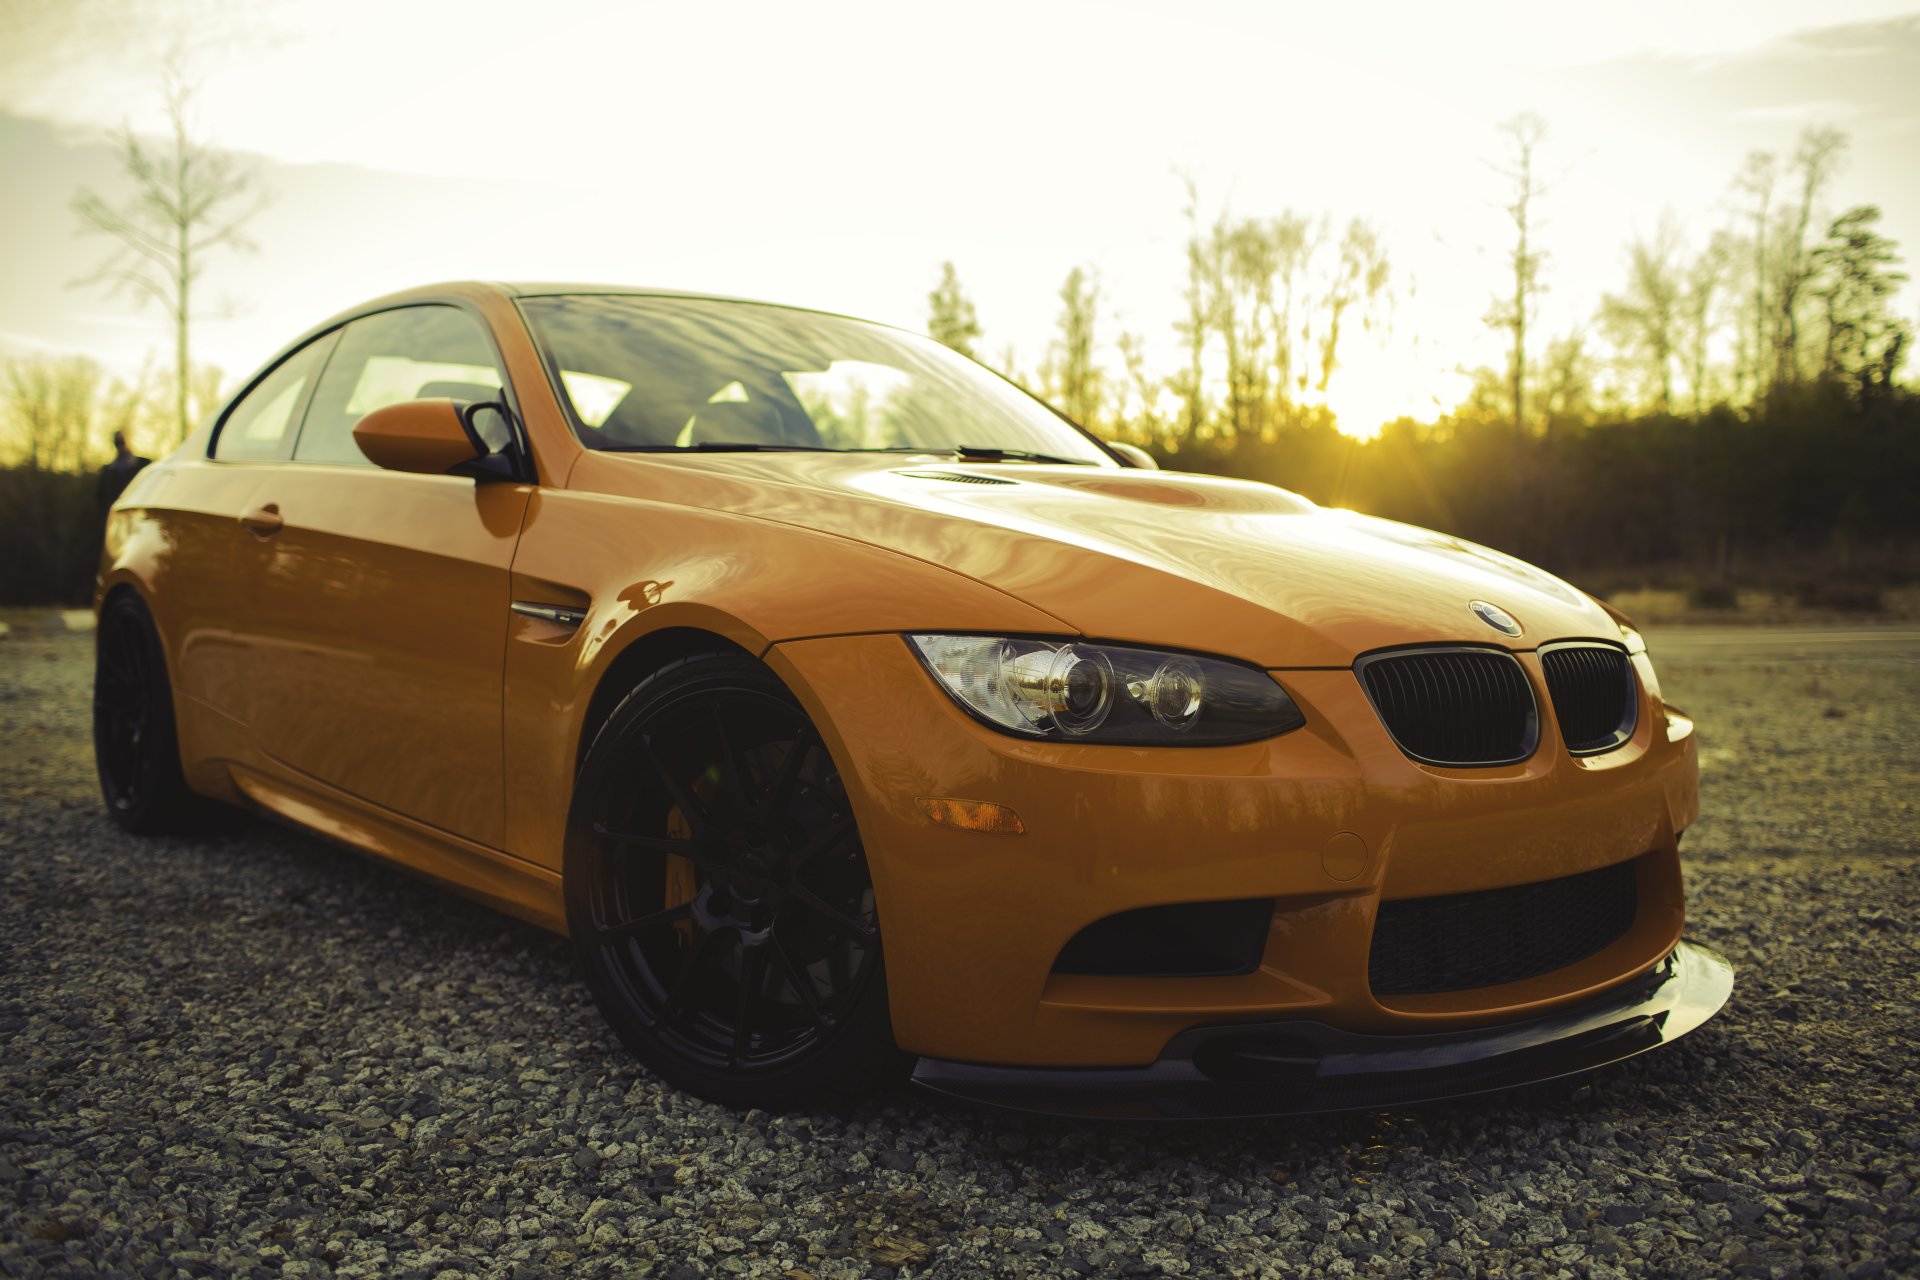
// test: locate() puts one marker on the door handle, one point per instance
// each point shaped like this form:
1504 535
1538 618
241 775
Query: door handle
264 521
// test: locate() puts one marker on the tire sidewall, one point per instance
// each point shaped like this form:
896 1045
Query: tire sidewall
856 1053
161 798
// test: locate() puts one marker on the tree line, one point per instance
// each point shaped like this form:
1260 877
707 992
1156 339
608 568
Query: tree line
1727 402
1733 397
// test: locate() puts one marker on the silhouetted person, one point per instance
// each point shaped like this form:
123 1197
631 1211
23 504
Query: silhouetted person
118 474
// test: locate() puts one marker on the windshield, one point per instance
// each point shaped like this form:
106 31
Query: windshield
683 373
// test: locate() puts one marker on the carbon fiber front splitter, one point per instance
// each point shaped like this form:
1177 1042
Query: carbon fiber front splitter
1298 1068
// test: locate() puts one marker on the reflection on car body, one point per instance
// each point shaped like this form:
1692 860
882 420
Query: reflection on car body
851 710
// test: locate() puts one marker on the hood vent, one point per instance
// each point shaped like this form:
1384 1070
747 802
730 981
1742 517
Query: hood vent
956 477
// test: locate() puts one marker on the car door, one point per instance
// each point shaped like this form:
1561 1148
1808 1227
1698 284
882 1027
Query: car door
205 504
376 615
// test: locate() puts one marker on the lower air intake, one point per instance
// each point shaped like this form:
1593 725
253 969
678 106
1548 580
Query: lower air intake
1422 946
1186 940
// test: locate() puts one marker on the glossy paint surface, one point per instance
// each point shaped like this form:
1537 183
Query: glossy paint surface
345 656
372 628
424 436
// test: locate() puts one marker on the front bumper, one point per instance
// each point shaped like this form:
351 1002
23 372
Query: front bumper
1298 1068
1327 822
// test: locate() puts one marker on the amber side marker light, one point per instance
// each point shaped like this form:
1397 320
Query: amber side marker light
973 815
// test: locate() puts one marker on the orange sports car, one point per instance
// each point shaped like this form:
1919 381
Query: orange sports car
851 711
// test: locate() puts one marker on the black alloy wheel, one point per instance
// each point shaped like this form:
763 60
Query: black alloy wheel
136 747
717 893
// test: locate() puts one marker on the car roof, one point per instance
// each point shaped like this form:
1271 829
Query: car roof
473 290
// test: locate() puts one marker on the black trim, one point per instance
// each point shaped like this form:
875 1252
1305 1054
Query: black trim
1489 937
1175 940
1623 732
1299 1068
521 454
1361 663
298 417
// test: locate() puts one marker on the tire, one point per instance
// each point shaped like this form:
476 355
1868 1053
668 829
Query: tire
136 743
718 897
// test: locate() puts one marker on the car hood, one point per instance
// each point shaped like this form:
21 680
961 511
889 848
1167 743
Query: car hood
1165 558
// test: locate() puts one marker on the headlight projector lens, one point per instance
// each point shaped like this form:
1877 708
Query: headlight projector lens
1106 693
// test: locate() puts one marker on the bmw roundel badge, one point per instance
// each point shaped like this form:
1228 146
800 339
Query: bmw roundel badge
1496 617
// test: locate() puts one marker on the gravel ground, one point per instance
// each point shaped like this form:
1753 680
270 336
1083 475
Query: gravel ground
258 1054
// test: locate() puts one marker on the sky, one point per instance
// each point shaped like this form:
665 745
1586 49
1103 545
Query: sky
834 154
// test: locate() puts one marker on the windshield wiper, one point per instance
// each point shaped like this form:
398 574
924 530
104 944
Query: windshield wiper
718 446
964 452
977 453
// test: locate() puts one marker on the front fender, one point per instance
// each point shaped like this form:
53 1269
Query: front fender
638 568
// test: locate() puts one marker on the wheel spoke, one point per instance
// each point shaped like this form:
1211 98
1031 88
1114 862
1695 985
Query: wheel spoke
739 774
653 919
780 795
748 796
821 842
674 1007
837 972
801 981
812 902
696 816
753 975
688 849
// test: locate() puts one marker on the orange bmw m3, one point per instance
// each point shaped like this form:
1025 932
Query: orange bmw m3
852 712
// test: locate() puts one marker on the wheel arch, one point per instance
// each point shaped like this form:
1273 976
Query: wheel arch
123 582
634 661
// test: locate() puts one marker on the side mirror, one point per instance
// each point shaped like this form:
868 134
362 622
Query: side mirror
437 437
1133 455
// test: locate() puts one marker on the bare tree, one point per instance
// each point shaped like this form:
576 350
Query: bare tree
1644 318
1293 240
190 199
1566 382
1815 161
1699 297
1756 182
1190 384
58 412
1073 379
951 318
1524 134
1244 307
1359 280
1140 407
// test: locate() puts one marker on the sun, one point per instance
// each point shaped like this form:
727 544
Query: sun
1376 385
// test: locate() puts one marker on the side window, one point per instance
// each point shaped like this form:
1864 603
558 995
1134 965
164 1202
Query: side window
415 353
261 426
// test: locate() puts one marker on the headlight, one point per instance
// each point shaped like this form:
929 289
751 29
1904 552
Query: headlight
1073 691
